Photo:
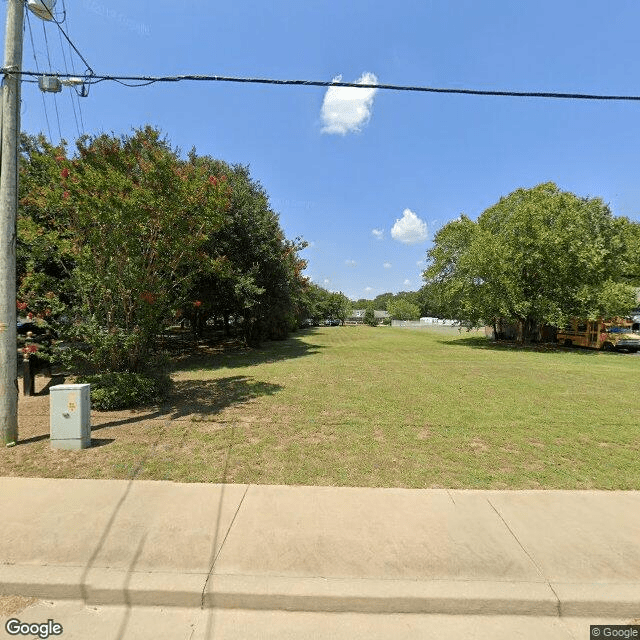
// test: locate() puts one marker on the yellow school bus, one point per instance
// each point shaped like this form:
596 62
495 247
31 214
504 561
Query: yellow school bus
616 334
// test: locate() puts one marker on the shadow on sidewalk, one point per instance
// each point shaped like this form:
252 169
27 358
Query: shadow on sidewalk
219 538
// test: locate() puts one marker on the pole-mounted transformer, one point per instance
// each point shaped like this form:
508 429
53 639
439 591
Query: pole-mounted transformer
50 84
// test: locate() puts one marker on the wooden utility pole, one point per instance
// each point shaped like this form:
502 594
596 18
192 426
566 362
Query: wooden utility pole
8 223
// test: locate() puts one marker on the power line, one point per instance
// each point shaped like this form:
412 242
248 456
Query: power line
73 104
142 81
65 18
64 33
44 104
55 102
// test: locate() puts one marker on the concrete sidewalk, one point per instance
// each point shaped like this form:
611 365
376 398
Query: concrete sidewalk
322 549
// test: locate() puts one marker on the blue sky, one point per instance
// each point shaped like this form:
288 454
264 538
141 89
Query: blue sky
367 177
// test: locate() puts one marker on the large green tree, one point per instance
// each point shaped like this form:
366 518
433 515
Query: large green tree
538 256
630 233
45 254
338 306
256 273
402 309
137 220
380 301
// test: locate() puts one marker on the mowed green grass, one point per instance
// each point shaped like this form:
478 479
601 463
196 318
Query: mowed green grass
384 407
361 406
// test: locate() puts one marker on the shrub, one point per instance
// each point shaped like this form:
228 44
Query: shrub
124 390
370 318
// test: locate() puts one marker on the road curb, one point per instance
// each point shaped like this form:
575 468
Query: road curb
100 586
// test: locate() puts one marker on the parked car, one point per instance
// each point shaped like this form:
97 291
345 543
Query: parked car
24 325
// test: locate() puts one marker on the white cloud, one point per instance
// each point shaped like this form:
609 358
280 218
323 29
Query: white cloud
367 289
387 265
377 233
350 263
419 263
407 282
347 109
409 229
326 281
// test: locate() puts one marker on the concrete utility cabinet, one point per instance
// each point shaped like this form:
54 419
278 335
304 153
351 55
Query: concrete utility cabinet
70 416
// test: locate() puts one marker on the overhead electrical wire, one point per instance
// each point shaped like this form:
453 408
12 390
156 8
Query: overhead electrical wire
64 33
83 91
142 81
55 101
64 9
44 103
71 94
90 77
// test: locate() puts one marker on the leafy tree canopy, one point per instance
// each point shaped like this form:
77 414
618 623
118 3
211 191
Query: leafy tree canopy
403 309
538 256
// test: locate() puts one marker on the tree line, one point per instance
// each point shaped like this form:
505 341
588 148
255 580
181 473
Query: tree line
124 237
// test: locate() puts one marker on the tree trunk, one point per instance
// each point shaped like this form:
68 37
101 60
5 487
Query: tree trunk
527 330
226 325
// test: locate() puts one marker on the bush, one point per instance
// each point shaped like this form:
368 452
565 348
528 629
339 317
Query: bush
110 391
370 318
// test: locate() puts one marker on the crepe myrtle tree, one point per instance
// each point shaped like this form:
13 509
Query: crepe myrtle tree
140 218
44 241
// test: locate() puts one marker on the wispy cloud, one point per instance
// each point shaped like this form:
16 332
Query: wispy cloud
387 265
350 263
368 289
407 282
347 109
409 229
378 234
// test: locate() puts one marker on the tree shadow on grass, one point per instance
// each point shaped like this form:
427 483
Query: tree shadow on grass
205 398
233 354
478 342
199 399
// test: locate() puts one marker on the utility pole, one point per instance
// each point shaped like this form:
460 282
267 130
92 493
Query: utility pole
8 223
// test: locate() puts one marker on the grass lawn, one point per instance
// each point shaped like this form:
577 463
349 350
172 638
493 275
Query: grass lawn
362 406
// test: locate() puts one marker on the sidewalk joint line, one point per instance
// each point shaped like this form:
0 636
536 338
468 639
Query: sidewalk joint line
215 559
450 496
559 604
528 556
517 540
